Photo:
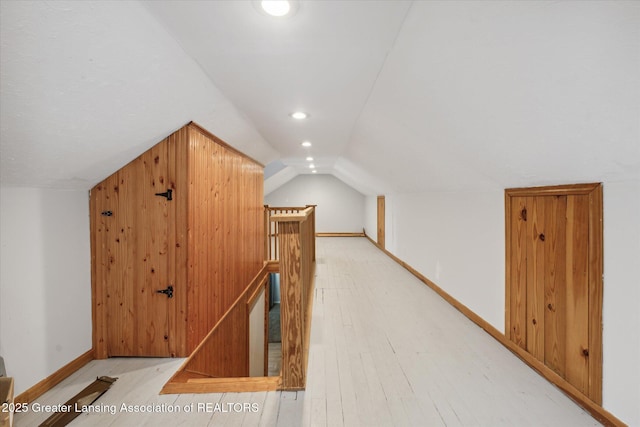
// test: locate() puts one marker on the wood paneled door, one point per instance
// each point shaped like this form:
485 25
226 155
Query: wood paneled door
381 219
132 232
554 280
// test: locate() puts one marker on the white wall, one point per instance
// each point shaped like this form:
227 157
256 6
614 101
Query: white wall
257 337
370 217
456 239
621 301
340 207
45 281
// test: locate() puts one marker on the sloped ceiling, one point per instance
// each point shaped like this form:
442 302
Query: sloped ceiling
505 94
403 96
88 86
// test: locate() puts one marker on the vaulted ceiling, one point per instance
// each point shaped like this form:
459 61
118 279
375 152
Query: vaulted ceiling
402 96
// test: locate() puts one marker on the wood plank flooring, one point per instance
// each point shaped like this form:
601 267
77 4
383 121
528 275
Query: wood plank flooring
274 359
385 351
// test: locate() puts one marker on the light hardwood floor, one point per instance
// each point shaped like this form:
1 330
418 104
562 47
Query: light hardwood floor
385 351
274 358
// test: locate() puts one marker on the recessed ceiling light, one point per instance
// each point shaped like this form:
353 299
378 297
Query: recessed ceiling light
306 144
314 171
299 115
276 7
312 166
309 159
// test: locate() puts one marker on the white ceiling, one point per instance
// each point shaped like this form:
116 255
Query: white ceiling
403 96
323 60
87 86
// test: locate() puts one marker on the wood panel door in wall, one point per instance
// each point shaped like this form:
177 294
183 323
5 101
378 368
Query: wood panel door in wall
554 280
381 220
132 246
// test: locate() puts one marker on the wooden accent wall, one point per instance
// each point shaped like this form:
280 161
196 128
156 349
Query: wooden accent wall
225 351
207 243
225 229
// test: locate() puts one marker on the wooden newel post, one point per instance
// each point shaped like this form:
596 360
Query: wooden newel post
296 237
291 309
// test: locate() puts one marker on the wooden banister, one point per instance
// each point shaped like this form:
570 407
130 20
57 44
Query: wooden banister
300 215
274 215
296 243
224 352
221 361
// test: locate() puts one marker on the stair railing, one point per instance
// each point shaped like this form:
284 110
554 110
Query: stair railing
296 243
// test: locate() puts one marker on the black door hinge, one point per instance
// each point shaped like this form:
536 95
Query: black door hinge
168 194
168 292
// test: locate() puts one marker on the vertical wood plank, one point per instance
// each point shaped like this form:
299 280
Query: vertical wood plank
153 330
508 214
577 292
120 320
518 278
555 294
178 247
119 300
96 298
595 294
100 261
536 243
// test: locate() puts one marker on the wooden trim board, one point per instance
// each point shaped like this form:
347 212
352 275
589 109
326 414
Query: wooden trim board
223 385
554 190
340 234
597 411
293 217
54 379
